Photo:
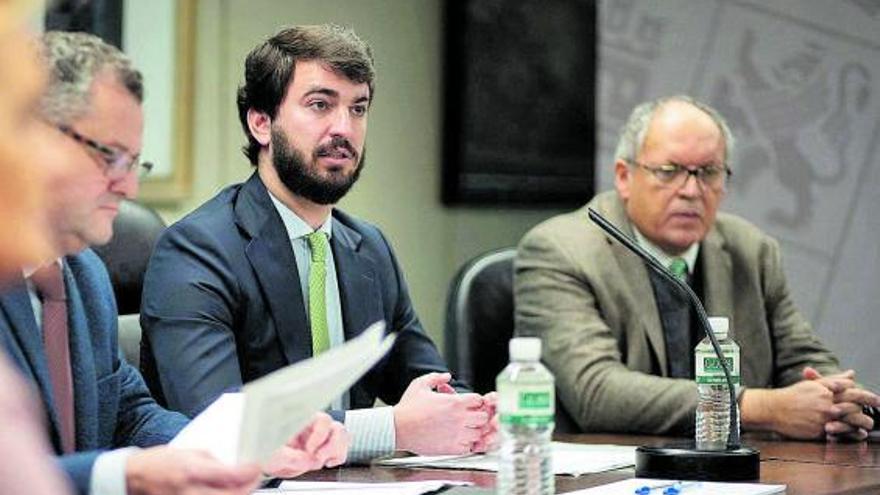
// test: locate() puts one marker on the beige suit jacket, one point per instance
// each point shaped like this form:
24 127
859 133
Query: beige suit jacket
592 304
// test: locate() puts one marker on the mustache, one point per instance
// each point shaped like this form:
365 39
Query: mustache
338 147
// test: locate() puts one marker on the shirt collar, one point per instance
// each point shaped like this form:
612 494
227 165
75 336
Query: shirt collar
297 227
689 256
27 271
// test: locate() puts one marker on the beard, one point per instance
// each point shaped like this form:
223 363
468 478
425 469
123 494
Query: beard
302 177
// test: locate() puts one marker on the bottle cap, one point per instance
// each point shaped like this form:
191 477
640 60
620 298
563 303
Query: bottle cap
720 326
525 349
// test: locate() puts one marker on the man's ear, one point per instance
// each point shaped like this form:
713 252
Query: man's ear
260 126
622 176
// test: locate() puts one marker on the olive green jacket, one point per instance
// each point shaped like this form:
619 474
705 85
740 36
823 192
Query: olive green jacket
592 304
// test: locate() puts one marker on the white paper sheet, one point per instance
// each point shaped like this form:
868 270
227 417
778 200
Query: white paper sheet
249 426
214 429
341 488
568 459
628 487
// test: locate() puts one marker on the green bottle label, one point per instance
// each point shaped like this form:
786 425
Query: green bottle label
713 364
534 400
709 370
526 404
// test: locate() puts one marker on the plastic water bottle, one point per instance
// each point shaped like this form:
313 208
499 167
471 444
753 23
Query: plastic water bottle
526 402
713 405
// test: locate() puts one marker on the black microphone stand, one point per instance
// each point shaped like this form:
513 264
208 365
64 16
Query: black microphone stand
685 461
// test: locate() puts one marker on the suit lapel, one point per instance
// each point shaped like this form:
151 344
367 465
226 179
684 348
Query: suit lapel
635 275
27 337
717 277
271 256
82 361
355 272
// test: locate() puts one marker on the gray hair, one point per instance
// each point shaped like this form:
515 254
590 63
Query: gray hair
634 131
74 60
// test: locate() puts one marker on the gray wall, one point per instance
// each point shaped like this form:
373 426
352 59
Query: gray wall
797 78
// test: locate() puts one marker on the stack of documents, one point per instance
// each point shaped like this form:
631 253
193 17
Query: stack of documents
568 459
656 487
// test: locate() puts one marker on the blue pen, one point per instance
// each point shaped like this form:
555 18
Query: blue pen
673 488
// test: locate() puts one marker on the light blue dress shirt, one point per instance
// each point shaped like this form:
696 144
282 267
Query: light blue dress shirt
372 430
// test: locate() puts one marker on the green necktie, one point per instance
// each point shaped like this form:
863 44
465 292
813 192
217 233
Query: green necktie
679 268
317 293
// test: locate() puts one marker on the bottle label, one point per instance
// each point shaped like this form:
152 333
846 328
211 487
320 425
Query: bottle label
708 368
526 405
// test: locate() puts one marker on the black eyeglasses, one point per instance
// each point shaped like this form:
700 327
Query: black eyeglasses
117 163
675 175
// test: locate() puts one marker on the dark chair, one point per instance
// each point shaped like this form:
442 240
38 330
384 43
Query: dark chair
135 232
479 324
479 319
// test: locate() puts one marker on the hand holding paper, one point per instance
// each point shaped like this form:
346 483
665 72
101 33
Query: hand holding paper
324 443
162 470
281 406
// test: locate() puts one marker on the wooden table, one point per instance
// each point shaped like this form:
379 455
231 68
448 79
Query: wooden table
813 468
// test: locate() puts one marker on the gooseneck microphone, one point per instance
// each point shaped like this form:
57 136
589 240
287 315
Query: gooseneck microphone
604 224
686 462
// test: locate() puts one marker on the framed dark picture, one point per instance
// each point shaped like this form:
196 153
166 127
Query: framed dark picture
160 38
102 18
519 103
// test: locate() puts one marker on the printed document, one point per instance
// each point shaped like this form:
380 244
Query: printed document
568 459
251 425
654 486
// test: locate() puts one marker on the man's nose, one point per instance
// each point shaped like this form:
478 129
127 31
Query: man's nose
127 185
692 187
341 124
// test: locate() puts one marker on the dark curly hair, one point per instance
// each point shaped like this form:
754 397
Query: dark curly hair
269 68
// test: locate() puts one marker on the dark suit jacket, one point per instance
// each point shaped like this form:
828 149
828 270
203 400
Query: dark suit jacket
222 303
591 302
112 405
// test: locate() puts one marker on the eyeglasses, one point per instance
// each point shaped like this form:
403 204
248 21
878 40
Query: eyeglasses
675 175
117 163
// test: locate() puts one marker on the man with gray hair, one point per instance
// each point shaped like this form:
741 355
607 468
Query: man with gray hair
620 340
58 322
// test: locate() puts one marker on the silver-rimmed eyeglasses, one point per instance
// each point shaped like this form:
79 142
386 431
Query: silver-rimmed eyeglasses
117 163
674 175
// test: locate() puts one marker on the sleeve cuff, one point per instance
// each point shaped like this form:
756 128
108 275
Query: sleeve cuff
108 472
372 433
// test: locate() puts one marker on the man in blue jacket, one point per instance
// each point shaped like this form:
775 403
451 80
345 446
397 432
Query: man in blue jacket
269 272
58 322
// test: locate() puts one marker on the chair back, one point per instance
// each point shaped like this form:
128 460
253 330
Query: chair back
130 338
480 323
479 319
135 231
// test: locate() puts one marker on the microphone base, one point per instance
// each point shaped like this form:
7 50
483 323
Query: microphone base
682 461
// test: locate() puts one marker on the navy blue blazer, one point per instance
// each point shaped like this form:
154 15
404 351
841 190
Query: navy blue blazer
222 303
112 404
